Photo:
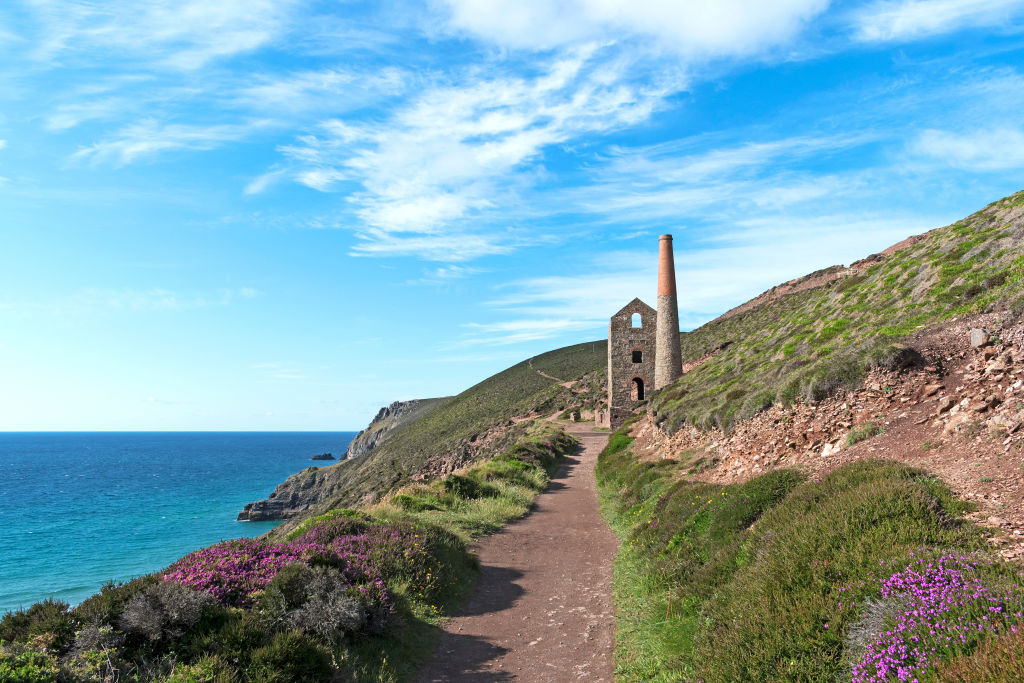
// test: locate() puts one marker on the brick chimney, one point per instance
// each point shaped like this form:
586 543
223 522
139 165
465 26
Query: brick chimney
668 361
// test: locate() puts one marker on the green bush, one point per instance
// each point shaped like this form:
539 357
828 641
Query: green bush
49 617
738 582
20 665
290 657
467 488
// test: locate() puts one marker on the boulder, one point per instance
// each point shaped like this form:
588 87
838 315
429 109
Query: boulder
979 337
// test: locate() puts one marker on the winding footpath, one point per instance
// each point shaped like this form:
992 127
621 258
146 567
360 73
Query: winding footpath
542 610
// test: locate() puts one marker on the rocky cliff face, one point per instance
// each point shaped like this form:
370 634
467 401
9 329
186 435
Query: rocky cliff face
301 491
387 420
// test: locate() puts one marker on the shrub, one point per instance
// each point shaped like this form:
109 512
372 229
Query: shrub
164 611
312 600
21 665
106 606
945 607
997 660
47 618
467 488
209 669
234 572
290 657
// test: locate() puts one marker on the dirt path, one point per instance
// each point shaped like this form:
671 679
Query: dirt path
542 610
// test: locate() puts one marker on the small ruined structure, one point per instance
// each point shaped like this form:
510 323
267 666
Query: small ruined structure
643 345
631 358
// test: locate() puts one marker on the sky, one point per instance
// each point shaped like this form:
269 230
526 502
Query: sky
285 214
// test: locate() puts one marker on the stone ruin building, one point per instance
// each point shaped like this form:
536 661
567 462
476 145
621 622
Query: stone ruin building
643 345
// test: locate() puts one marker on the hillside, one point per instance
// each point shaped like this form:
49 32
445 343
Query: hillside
817 339
803 340
833 490
449 434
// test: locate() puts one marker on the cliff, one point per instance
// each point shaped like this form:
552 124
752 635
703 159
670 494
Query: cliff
302 490
388 419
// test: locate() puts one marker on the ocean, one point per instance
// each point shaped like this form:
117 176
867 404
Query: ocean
78 509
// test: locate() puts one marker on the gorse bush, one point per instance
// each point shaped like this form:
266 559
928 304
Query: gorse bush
783 579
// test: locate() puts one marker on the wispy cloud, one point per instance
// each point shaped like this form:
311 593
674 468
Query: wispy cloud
902 20
712 277
445 275
181 34
434 177
91 300
520 331
666 181
981 150
711 28
334 89
149 138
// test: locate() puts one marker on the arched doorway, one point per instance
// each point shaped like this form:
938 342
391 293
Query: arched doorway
636 389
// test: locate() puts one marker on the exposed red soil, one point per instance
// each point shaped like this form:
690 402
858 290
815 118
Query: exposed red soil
542 610
959 414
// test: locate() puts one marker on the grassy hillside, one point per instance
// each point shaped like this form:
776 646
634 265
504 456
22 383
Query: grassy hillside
868 574
810 343
456 423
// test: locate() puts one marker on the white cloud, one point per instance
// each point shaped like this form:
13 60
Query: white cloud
149 138
3 143
446 275
902 20
433 173
670 181
183 34
519 331
997 149
695 28
334 90
71 114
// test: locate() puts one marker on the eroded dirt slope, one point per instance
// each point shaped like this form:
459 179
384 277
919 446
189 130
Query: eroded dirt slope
957 410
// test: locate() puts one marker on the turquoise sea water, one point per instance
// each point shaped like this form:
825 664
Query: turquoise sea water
78 509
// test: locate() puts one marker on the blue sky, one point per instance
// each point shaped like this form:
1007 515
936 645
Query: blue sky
260 214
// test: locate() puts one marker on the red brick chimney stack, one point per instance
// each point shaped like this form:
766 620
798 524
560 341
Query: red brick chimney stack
668 361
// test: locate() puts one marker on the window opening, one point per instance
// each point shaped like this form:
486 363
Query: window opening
636 320
638 355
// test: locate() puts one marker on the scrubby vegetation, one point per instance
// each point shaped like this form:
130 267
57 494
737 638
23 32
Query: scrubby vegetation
869 574
808 344
349 594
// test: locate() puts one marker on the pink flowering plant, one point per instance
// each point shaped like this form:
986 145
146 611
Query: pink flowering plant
942 606
367 555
